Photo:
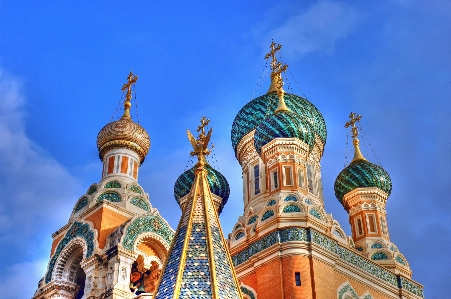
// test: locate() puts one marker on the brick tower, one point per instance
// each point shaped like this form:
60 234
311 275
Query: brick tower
285 245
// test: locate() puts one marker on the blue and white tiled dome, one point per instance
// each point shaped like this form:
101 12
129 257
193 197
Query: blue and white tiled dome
284 124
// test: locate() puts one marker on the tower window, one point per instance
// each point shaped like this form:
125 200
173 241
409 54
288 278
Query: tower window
301 178
371 223
297 278
257 179
383 225
288 175
358 229
311 186
274 179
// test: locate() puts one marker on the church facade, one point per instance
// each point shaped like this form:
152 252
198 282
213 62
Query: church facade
284 245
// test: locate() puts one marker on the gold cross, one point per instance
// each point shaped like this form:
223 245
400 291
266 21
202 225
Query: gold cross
131 79
272 54
203 123
354 118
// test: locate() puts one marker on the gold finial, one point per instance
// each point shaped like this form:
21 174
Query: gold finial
131 79
277 69
355 132
200 145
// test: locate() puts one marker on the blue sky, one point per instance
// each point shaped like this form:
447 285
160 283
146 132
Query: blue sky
62 66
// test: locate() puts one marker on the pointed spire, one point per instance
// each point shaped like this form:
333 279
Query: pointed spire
355 132
276 69
131 79
199 263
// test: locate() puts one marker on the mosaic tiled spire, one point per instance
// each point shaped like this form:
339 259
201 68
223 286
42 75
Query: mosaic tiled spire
199 264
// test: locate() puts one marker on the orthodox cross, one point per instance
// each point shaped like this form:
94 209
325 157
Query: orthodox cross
203 123
131 79
276 67
354 118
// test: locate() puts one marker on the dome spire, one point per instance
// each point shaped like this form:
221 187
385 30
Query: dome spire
131 79
355 132
277 68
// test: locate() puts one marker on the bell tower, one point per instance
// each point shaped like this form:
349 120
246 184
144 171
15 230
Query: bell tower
115 243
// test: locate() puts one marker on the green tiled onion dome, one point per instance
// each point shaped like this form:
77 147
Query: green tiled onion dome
218 184
254 112
361 174
285 124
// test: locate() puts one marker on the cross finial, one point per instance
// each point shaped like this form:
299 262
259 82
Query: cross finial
277 68
200 144
355 132
353 119
131 79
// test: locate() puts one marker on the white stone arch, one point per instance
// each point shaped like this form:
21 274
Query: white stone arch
156 241
71 251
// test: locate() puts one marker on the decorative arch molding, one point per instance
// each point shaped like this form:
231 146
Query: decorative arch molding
147 224
85 237
346 291
160 245
248 292
66 257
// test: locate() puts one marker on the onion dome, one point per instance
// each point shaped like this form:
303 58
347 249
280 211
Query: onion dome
124 133
217 182
361 174
254 112
283 124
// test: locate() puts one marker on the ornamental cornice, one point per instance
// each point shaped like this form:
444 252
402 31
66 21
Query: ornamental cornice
122 252
57 285
285 145
371 194
366 207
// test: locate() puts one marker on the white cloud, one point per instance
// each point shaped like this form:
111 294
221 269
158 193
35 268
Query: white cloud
37 193
22 279
317 29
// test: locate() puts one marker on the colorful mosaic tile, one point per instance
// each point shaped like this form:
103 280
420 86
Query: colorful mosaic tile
271 203
344 254
267 214
247 292
376 245
217 182
379 256
361 174
92 189
83 202
308 201
140 203
253 219
110 196
148 223
290 198
400 260
315 213
239 235
113 184
253 113
78 229
136 189
291 209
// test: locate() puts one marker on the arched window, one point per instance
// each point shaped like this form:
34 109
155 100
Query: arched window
310 181
256 179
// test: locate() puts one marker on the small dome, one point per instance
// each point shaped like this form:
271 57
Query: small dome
254 112
361 174
123 133
284 124
217 182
